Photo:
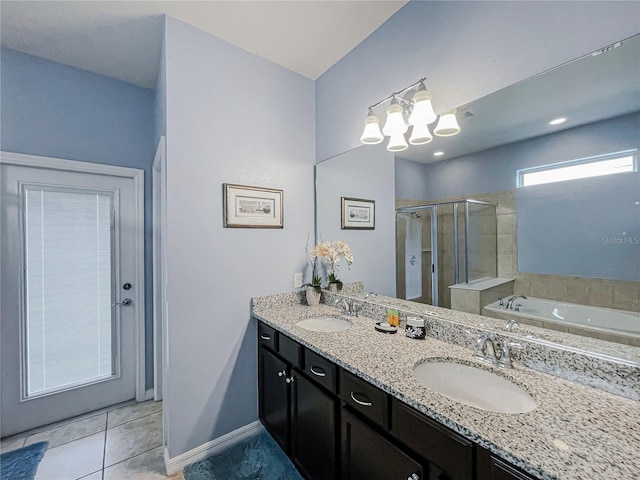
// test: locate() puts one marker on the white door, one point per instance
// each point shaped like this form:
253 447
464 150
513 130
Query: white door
71 293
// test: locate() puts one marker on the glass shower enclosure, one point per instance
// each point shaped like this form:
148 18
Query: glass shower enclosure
443 244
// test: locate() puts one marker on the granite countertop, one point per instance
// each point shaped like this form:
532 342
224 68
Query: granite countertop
576 432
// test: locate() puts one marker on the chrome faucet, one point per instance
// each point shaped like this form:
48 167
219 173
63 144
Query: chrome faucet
513 299
481 349
349 307
510 324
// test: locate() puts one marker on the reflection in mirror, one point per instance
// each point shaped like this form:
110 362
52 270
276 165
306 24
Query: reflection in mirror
562 249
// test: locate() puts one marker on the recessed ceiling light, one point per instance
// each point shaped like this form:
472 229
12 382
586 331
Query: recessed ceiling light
557 121
439 153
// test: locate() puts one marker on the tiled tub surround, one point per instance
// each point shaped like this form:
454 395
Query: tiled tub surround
601 430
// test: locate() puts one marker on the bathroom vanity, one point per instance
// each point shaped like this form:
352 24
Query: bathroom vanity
345 404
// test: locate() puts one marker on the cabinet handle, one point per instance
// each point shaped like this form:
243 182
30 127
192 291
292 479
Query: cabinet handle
265 337
282 373
359 402
319 372
414 476
289 380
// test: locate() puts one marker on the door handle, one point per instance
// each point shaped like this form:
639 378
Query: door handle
125 303
317 371
360 402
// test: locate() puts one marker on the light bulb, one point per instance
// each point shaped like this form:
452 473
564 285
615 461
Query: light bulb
420 135
397 143
395 124
422 108
371 134
447 125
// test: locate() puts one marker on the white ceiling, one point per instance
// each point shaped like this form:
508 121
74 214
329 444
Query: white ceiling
122 39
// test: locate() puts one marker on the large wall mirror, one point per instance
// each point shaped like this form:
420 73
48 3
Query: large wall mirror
462 233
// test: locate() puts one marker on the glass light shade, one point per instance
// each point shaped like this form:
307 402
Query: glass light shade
447 125
395 124
420 135
371 134
422 108
397 143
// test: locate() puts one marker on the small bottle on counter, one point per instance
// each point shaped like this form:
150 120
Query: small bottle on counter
415 328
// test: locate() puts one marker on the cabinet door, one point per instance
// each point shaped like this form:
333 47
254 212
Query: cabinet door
367 455
313 430
273 389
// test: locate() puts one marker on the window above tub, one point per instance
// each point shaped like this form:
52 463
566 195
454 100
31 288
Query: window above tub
619 162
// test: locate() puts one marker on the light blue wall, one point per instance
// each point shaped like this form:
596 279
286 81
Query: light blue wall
465 49
494 170
365 172
53 110
582 228
231 117
410 179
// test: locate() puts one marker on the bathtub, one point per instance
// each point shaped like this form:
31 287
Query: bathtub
604 323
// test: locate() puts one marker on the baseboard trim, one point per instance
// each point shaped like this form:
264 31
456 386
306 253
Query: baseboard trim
176 464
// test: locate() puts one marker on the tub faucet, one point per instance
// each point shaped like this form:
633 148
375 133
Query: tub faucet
513 299
482 349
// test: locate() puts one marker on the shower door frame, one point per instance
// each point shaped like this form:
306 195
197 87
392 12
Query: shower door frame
433 211
433 207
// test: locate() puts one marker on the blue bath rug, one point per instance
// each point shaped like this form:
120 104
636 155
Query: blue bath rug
22 463
256 458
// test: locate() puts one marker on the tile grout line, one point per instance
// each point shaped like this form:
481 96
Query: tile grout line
131 458
132 420
104 447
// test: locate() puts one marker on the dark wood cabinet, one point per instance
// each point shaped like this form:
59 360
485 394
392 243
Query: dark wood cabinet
367 455
335 425
313 430
274 394
490 467
449 455
298 414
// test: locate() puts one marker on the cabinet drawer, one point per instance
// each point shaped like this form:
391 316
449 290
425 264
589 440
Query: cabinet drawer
364 398
290 350
432 441
267 336
320 370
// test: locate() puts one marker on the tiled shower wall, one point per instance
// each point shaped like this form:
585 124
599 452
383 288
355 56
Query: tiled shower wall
481 241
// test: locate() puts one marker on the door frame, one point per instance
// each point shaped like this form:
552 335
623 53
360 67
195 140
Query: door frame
159 202
137 175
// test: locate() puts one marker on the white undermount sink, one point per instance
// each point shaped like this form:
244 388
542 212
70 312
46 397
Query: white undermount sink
475 387
324 324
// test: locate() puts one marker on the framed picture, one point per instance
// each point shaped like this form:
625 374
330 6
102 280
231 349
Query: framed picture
252 207
358 213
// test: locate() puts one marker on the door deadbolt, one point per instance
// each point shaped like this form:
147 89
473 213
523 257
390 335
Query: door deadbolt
125 303
126 286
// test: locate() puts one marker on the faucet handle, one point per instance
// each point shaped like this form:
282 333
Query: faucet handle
505 356
501 301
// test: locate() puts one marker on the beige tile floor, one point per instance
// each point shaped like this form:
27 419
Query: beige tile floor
124 442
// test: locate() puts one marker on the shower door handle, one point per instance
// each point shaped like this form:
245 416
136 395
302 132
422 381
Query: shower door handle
413 260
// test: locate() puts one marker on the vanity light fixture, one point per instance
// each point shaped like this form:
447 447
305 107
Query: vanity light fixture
447 124
372 134
403 113
557 121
